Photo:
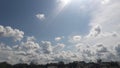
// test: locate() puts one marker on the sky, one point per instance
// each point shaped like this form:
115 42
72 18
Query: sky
45 31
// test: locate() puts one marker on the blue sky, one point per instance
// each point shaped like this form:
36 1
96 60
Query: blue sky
59 30
22 15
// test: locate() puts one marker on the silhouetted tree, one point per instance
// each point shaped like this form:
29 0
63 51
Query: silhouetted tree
99 61
61 64
5 65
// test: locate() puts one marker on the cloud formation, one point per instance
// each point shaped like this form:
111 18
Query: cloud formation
75 39
7 31
107 15
47 47
40 16
102 41
88 48
95 31
59 38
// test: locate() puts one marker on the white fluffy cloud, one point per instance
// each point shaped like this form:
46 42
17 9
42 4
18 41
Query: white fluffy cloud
95 31
30 51
59 38
58 47
47 47
103 38
101 42
107 16
10 32
105 30
87 48
75 39
40 16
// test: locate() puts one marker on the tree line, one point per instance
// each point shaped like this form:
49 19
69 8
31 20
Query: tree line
75 64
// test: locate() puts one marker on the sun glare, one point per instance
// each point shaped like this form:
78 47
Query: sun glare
65 2
61 5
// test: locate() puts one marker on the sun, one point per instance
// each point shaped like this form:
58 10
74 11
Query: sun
65 2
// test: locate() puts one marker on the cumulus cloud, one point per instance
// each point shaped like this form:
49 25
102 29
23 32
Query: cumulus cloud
32 38
103 38
40 16
94 52
107 15
95 31
47 47
27 52
117 49
90 48
101 48
102 42
7 31
59 38
75 39
58 47
105 30
30 51
29 45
